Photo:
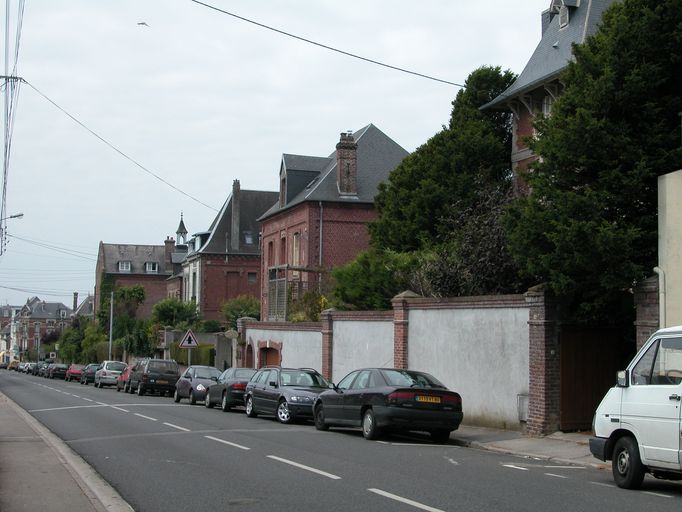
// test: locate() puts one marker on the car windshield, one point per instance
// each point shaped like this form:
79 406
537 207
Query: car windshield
411 379
116 367
303 378
163 366
207 373
244 374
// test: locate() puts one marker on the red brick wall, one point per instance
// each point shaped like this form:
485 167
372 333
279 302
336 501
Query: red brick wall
154 289
224 280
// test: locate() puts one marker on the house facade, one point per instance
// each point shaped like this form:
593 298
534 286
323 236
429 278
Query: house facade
319 220
564 23
37 319
123 265
9 318
224 261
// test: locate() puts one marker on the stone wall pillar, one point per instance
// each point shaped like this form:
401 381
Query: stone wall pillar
648 310
544 399
401 312
326 317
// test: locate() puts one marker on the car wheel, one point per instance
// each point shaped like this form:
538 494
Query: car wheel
250 411
207 401
117 388
192 397
440 436
225 404
319 418
628 471
125 387
283 413
176 397
369 425
81 382
140 390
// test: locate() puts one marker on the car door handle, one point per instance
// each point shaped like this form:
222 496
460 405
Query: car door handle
675 397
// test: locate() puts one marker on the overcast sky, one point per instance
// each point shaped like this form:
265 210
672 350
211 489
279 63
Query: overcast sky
200 99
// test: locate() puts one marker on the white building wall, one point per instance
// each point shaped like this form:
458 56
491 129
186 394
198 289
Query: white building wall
670 247
361 344
480 353
300 349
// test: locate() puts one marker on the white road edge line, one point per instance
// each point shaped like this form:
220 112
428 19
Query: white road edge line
514 467
656 494
145 417
555 476
404 500
176 426
603 485
235 445
307 468
564 467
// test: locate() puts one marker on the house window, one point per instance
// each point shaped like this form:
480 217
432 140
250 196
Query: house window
283 251
36 327
62 314
248 237
151 267
124 266
252 277
296 256
271 254
547 103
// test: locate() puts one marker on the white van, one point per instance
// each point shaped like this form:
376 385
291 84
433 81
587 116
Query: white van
637 424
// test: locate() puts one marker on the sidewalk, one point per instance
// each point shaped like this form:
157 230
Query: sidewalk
38 471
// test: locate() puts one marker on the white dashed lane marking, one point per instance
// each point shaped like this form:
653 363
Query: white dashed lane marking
145 417
234 445
407 501
304 467
177 427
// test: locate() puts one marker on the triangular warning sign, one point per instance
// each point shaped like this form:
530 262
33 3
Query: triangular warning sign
189 340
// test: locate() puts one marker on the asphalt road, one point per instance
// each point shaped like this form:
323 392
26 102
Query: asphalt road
175 457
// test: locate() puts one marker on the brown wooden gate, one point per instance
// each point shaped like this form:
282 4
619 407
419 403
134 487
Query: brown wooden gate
590 359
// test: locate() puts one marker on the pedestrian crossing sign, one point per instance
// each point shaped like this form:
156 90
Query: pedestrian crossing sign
189 340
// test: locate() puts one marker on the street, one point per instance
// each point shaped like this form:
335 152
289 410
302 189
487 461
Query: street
164 456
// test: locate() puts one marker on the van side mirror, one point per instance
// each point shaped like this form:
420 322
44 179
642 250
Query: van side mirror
622 380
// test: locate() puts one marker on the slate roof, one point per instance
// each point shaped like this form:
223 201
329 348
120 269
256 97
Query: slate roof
312 178
46 311
87 307
252 204
554 51
137 255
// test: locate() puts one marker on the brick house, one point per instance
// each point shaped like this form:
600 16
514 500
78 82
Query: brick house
123 265
565 23
37 319
224 262
320 218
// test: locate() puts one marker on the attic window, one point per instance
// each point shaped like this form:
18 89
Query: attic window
151 267
124 266
563 16
248 237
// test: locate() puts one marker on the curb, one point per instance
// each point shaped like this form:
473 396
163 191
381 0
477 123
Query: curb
102 495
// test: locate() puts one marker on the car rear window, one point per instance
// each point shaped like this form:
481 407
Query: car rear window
303 378
163 366
116 367
244 374
409 378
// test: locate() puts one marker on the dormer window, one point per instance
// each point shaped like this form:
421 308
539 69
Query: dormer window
124 266
248 237
151 267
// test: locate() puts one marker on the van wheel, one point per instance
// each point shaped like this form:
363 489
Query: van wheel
628 471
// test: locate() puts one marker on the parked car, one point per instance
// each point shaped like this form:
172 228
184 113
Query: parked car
13 364
287 393
229 390
194 383
637 424
379 399
154 375
108 372
74 372
47 369
88 374
28 369
123 380
57 371
22 367
3 365
40 367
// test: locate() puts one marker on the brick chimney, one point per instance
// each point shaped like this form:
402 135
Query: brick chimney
347 165
169 249
234 228
75 301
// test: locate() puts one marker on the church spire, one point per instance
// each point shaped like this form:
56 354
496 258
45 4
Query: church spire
181 232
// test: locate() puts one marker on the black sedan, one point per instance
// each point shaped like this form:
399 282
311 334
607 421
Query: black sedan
88 374
229 390
379 399
286 393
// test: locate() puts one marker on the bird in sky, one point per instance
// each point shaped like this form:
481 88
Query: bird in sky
142 23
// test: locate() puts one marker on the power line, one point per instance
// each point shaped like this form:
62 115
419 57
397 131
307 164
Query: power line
326 47
75 254
124 155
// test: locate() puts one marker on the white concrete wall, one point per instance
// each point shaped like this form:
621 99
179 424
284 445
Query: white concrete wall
480 353
361 344
300 349
670 246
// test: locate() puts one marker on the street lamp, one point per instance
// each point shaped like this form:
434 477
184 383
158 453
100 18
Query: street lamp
3 230
15 216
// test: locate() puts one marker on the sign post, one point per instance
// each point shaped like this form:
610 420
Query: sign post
189 341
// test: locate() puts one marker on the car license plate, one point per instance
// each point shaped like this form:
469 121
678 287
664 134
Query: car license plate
162 382
429 399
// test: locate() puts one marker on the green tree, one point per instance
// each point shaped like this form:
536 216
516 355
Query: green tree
475 147
589 225
175 313
241 306
371 280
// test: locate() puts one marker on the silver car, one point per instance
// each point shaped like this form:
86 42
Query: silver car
108 372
